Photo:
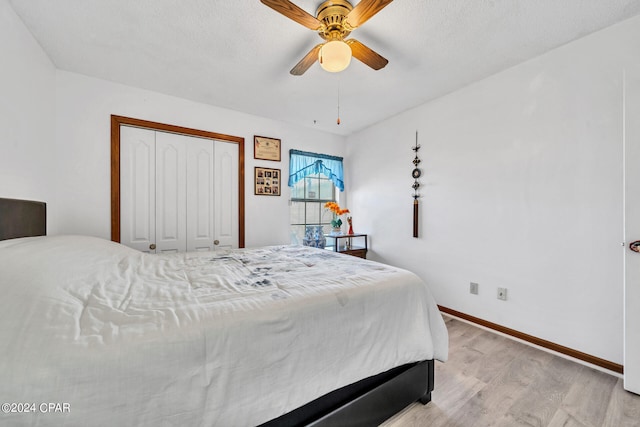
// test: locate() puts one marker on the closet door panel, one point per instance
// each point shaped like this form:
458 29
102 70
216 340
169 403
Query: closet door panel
137 192
200 210
170 193
226 194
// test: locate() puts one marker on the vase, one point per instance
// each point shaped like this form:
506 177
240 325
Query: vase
336 231
314 237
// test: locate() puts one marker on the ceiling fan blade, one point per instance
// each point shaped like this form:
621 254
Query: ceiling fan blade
366 55
292 11
364 11
306 62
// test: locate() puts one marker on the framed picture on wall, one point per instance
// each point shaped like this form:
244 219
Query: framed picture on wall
266 148
267 181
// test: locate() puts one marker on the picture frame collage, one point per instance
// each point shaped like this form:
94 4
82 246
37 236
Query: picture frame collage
267 181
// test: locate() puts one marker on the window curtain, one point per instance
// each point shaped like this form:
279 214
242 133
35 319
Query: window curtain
302 164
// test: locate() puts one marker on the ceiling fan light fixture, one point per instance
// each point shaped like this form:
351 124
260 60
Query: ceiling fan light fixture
334 56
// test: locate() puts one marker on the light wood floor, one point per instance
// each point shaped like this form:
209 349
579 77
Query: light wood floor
491 380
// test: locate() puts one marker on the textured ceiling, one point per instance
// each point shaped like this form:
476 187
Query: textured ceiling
237 53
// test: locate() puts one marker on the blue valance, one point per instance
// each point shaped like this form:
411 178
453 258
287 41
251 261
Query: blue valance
302 164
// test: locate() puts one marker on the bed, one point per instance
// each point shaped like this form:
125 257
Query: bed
281 335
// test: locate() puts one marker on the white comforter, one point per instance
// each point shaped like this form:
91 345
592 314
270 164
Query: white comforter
234 338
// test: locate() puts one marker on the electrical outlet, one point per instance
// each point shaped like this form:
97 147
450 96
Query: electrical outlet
473 288
502 294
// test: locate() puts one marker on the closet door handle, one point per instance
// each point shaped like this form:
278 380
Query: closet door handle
216 242
635 246
152 246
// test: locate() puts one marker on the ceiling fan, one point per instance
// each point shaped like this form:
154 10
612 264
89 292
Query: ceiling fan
334 20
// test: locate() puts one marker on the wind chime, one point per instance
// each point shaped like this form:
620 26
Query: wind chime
415 174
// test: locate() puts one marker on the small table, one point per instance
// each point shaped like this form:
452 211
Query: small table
350 244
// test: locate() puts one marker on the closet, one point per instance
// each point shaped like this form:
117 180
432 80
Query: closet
177 192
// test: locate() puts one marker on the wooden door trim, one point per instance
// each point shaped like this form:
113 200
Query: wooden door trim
117 121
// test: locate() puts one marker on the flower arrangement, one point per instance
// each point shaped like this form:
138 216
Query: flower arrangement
336 222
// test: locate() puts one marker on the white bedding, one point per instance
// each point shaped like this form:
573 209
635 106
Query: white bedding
231 338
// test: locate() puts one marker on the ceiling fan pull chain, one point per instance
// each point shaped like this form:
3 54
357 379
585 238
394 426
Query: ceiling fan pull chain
338 121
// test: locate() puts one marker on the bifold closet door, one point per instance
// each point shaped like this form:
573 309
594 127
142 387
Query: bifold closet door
212 195
138 188
153 190
178 193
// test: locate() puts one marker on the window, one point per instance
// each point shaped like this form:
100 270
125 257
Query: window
314 179
308 197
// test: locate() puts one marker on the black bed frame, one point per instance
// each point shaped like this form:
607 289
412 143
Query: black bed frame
365 403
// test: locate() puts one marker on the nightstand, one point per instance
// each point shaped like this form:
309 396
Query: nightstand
350 244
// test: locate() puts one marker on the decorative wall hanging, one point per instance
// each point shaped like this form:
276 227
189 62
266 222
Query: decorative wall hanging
267 181
415 174
266 148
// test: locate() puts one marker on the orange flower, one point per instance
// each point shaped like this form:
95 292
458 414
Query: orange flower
337 211
335 208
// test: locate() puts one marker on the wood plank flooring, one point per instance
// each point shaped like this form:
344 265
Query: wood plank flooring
491 380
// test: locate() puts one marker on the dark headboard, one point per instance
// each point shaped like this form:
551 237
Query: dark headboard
22 218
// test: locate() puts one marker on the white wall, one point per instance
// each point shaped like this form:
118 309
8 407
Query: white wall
522 188
27 79
83 109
